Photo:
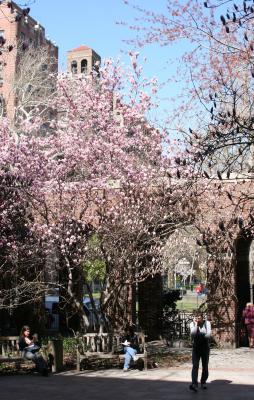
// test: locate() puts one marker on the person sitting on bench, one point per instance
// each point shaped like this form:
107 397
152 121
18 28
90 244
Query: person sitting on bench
30 350
130 347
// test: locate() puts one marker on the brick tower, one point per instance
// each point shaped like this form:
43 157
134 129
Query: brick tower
82 60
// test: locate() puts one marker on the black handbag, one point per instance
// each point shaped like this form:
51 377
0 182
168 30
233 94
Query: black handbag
34 348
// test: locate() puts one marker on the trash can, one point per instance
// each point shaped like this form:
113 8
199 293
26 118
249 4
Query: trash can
55 354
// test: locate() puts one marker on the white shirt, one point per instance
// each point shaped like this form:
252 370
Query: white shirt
205 330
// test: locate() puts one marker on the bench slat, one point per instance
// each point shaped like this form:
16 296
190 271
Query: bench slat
11 359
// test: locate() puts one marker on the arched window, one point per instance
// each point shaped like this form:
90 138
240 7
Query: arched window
74 67
2 107
84 66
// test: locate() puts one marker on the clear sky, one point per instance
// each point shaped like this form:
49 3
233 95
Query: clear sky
71 23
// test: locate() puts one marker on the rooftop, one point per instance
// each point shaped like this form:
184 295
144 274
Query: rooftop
81 48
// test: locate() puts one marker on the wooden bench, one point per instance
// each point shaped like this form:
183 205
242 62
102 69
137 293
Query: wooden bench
106 346
9 352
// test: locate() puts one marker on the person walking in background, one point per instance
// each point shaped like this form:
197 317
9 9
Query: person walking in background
30 350
200 330
248 316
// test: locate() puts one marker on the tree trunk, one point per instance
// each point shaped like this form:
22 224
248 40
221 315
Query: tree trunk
150 306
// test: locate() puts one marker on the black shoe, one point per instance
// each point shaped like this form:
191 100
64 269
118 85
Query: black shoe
140 364
203 386
45 372
193 387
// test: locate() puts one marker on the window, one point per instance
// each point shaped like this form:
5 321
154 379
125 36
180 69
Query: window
74 67
2 107
52 52
41 38
2 39
96 67
84 66
22 36
36 39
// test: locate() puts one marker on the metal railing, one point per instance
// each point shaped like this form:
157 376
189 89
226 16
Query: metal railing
176 326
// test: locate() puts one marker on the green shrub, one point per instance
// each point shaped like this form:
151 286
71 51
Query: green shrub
69 345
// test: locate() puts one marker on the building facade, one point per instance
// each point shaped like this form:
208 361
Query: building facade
18 32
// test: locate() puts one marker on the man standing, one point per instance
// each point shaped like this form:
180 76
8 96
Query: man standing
200 330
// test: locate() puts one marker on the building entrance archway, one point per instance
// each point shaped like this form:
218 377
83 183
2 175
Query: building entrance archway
243 283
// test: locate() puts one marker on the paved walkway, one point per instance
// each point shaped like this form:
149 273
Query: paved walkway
231 377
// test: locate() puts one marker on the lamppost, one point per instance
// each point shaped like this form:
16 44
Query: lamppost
251 292
183 268
192 265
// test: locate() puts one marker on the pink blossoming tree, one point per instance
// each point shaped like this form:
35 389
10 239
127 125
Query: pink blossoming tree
102 170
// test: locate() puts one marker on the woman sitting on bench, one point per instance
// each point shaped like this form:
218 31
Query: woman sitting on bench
30 350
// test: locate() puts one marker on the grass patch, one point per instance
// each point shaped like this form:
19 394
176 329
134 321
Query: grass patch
190 302
186 306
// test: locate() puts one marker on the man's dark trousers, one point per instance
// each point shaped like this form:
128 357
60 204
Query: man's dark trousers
200 352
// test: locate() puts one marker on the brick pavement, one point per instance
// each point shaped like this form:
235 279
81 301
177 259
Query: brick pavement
231 377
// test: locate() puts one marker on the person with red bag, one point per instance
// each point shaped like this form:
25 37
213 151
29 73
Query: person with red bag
248 316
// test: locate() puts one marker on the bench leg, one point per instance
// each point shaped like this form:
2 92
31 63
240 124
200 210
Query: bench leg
78 362
17 365
145 362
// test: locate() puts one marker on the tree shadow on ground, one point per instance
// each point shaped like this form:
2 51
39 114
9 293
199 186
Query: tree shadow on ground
122 386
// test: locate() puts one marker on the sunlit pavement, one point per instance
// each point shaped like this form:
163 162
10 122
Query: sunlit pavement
231 377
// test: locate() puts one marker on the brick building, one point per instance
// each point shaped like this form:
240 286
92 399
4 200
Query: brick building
17 30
